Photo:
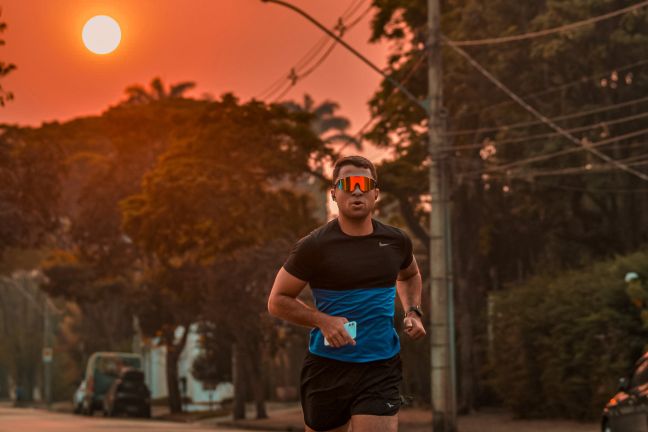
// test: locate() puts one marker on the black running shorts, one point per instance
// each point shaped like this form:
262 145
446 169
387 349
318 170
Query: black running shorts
332 391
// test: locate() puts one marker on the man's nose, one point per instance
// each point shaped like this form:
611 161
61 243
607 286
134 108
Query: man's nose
356 190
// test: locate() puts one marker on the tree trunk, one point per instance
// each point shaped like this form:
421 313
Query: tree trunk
4 384
468 259
172 356
255 367
238 374
466 367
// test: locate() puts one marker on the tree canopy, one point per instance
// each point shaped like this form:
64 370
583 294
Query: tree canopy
513 217
217 190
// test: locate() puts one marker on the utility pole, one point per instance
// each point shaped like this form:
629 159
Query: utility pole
441 309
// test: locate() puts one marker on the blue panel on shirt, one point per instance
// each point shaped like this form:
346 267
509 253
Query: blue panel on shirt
373 310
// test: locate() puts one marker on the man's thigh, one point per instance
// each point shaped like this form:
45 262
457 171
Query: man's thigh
370 423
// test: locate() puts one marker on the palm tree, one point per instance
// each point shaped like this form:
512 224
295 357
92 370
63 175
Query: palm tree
332 130
328 126
5 68
137 94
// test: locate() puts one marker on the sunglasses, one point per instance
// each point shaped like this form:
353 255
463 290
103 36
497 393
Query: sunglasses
349 184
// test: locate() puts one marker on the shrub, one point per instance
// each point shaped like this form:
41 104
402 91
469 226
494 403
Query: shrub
561 341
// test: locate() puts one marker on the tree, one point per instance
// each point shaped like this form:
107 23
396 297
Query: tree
508 225
253 337
216 193
572 364
5 68
29 189
331 128
92 261
137 94
21 323
325 124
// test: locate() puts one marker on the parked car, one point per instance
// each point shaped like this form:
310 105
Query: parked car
627 411
102 370
77 399
128 395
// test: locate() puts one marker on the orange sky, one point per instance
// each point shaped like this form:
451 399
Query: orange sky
242 46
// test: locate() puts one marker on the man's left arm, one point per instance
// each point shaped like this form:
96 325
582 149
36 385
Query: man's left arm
409 287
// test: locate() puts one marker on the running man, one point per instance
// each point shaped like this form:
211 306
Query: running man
355 266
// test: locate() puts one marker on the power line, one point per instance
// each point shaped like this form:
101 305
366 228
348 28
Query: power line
603 123
507 167
570 116
305 59
546 32
352 9
296 77
319 62
588 146
404 81
284 84
550 90
538 122
595 190
588 169
544 119
308 56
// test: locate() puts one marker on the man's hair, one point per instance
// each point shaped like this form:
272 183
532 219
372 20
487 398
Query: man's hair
357 161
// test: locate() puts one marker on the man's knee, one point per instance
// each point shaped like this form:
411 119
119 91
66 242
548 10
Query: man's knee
344 428
371 423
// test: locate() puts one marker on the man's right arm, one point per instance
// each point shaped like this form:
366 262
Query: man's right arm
283 303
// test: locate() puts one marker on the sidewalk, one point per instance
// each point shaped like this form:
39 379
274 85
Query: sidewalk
412 420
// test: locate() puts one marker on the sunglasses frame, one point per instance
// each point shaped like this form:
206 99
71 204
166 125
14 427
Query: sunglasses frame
373 184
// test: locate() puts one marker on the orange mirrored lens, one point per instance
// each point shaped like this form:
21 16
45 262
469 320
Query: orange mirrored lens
349 184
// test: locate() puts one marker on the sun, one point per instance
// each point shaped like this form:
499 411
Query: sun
101 34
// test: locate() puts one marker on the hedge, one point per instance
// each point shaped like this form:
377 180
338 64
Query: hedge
561 342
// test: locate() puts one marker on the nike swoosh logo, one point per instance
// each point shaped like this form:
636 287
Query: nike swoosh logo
390 405
381 244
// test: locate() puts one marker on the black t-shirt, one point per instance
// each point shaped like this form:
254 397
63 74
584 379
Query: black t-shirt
354 277
328 258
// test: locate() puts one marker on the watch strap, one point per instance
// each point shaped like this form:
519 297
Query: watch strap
416 309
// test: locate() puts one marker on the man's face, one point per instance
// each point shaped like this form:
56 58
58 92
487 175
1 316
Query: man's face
355 204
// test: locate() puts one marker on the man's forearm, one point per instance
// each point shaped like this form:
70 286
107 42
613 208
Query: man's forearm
294 311
409 291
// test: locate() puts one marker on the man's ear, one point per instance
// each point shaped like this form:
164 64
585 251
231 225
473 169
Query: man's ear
377 194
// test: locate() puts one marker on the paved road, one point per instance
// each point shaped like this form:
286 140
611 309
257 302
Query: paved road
34 420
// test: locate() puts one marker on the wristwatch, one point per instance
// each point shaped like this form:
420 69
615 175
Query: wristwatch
416 309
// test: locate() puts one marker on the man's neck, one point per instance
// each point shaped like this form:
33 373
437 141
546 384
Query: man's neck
353 227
